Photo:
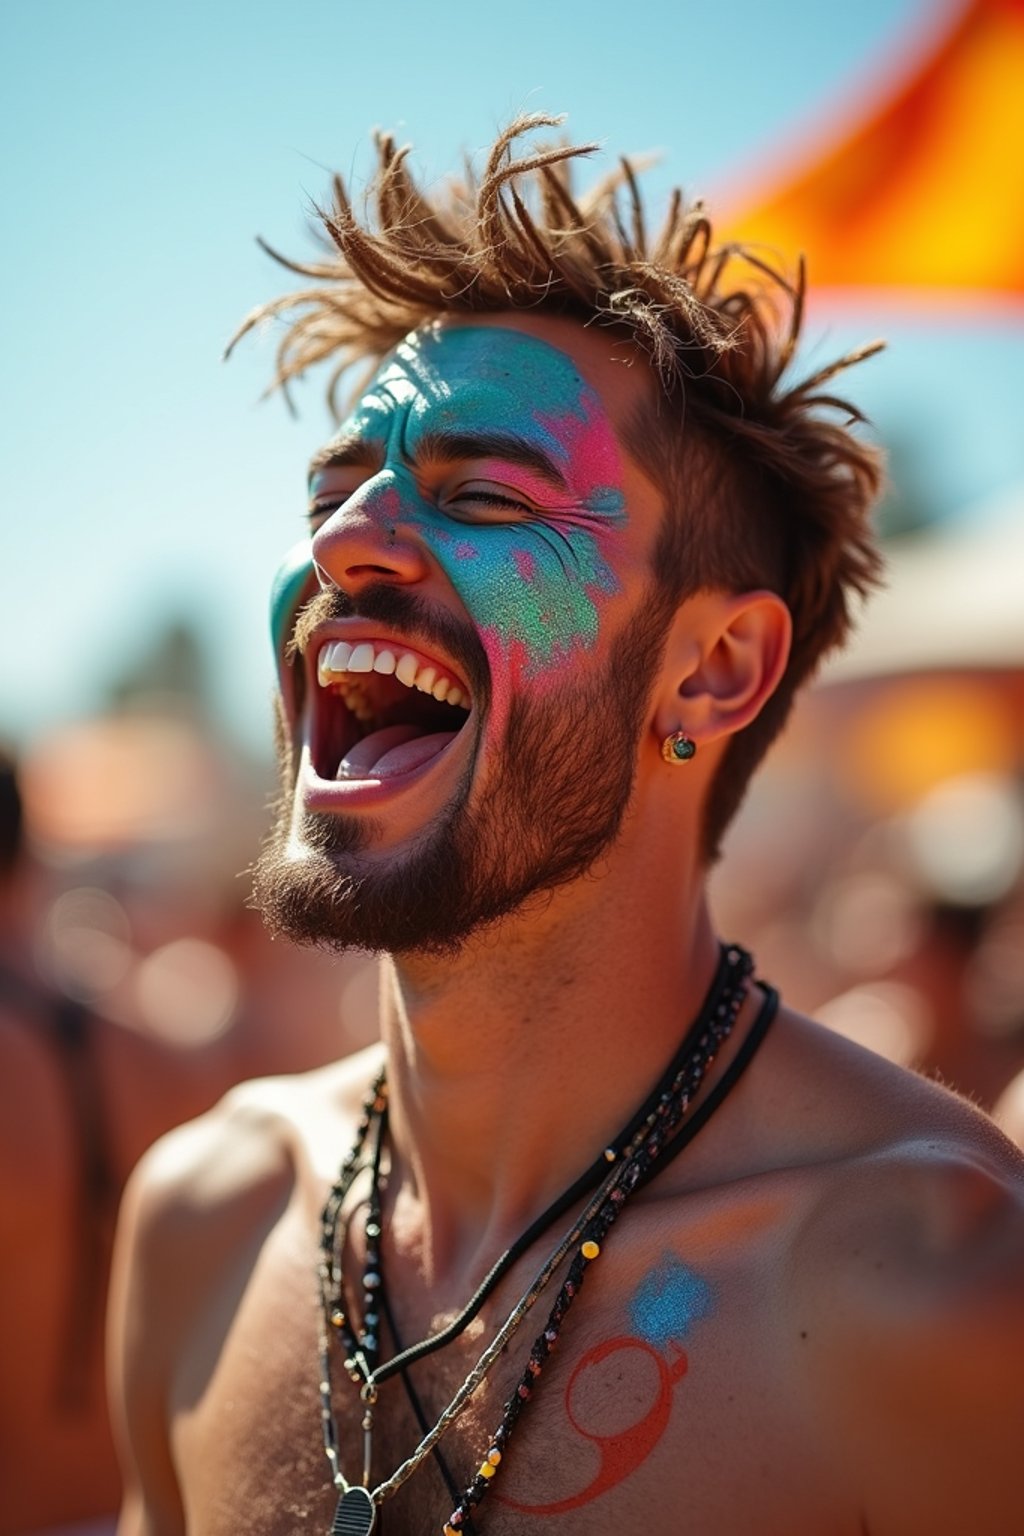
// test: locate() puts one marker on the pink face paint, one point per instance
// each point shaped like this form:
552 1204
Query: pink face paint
525 564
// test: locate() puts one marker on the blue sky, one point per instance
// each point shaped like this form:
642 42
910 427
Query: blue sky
147 144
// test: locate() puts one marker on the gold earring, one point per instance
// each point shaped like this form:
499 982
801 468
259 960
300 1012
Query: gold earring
678 748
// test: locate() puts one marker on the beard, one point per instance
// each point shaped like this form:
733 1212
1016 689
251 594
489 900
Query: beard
555 801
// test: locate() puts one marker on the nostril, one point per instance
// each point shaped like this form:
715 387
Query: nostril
329 583
355 548
370 570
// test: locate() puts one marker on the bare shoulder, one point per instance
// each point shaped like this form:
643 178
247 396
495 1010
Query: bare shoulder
219 1171
911 1190
195 1214
906 1295
231 1162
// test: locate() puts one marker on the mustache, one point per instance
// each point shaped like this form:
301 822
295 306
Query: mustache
415 619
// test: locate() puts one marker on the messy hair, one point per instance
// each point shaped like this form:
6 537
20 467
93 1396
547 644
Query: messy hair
765 484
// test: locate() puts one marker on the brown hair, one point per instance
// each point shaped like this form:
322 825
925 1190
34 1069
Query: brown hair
765 483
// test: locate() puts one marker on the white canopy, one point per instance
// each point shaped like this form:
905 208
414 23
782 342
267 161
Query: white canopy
953 598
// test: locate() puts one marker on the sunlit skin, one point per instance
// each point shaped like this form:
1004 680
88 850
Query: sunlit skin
783 1325
663 1311
482 463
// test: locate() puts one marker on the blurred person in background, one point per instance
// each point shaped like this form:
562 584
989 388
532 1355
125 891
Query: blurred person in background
543 632
880 863
134 991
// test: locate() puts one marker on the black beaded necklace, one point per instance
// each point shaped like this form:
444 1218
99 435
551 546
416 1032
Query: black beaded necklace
651 1139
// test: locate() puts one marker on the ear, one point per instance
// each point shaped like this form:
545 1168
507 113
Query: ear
725 655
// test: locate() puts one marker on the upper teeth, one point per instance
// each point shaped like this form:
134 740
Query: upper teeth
338 659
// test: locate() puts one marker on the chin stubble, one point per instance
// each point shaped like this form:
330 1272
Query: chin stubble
555 800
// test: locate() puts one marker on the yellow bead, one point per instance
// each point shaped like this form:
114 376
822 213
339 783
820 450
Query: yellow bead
450 1530
486 1470
494 1457
590 1250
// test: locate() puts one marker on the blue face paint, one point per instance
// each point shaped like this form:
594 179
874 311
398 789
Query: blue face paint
290 578
668 1301
533 578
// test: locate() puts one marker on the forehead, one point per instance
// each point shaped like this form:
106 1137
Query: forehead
494 373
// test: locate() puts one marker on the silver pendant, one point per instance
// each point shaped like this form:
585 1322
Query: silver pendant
356 1514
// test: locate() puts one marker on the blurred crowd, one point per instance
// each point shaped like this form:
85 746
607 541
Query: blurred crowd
877 872
135 989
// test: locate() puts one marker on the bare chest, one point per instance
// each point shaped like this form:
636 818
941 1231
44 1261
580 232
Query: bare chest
668 1405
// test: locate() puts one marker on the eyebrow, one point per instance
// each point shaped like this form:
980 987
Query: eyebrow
354 451
351 450
448 446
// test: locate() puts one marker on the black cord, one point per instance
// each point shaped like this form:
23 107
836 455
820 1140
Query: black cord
728 1080
416 1404
592 1176
729 960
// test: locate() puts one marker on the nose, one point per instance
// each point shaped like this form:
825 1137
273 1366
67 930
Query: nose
369 539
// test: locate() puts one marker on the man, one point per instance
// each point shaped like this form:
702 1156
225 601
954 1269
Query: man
573 548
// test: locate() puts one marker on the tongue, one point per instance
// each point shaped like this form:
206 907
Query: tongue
394 750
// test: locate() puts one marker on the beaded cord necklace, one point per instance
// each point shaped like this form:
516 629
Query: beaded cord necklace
732 972
649 1141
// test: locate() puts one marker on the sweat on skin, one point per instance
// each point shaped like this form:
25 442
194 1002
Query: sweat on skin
523 522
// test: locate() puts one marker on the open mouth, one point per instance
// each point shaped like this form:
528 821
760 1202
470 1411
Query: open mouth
382 710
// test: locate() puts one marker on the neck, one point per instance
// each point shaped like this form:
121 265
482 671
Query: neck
511 1067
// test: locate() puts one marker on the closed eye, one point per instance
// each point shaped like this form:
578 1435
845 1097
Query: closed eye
481 502
335 489
319 511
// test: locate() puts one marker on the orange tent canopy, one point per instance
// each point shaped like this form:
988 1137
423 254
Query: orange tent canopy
925 189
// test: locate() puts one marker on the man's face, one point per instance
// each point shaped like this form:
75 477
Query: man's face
462 719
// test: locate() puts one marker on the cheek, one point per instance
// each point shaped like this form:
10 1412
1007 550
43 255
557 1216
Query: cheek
535 594
292 582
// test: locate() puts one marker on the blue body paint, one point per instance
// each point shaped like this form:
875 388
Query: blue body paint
668 1301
